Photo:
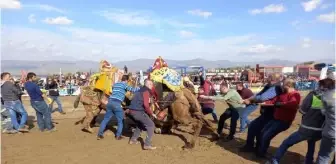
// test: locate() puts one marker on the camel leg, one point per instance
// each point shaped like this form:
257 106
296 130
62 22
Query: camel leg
197 125
80 121
95 115
88 118
173 127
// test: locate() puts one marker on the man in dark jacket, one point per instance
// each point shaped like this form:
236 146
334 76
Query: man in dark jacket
140 111
270 91
11 97
52 87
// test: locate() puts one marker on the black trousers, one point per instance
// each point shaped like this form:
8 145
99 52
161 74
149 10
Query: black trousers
229 113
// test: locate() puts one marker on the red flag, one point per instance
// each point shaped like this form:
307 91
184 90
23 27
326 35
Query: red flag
23 76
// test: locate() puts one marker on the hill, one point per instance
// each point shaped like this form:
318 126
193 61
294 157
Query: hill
47 67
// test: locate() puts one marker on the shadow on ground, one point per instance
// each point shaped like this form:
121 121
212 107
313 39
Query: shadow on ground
234 145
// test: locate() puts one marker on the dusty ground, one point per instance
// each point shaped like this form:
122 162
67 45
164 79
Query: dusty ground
70 145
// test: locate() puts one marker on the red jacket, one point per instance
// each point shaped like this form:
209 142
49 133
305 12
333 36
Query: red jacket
206 103
288 106
208 88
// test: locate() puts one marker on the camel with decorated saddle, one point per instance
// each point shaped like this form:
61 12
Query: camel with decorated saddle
175 103
94 96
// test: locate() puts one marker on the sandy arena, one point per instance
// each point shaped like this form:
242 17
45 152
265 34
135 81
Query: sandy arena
69 145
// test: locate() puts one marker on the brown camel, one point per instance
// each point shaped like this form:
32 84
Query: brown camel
184 109
94 101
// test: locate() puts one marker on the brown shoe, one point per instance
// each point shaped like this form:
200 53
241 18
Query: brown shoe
149 147
99 137
23 130
119 137
63 113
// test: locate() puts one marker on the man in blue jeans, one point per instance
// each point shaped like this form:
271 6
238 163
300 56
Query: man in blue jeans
310 129
270 91
43 112
52 87
11 97
114 107
140 110
245 93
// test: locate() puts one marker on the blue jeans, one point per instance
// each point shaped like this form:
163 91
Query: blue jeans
293 139
206 111
43 114
113 107
6 122
244 116
273 128
326 148
58 102
143 123
254 130
16 107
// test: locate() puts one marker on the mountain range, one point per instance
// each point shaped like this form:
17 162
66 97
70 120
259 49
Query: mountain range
49 67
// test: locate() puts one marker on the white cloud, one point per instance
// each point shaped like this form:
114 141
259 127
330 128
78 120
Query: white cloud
311 5
261 48
272 8
186 34
88 44
124 17
198 12
328 18
10 4
32 18
98 37
45 7
58 21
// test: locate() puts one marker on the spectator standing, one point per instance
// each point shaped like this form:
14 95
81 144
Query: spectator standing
11 97
52 86
43 112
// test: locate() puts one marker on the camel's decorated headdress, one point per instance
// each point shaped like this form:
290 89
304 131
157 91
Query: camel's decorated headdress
159 63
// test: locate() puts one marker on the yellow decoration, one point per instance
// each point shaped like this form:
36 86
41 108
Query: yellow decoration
105 79
169 77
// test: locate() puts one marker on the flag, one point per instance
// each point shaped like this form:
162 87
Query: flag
60 77
23 76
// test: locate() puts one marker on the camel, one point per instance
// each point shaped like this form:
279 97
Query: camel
184 109
94 101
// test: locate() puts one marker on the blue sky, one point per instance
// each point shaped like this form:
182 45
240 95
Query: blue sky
126 30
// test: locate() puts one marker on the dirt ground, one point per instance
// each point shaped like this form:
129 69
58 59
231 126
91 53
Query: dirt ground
70 145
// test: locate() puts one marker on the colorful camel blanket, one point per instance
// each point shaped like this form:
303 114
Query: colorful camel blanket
171 78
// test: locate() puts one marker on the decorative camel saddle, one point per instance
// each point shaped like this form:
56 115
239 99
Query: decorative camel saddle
170 90
100 84
161 73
